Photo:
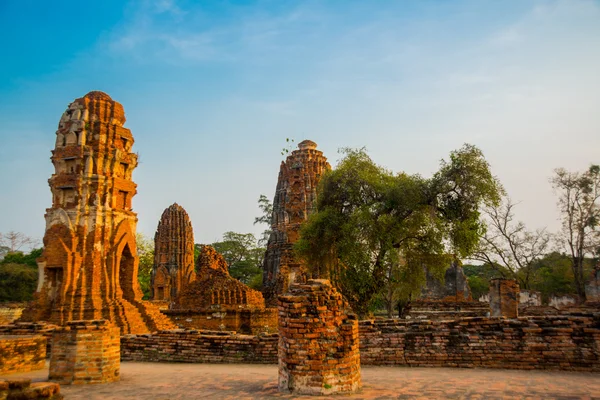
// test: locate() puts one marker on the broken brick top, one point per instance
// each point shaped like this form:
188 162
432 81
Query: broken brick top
214 288
210 259
307 144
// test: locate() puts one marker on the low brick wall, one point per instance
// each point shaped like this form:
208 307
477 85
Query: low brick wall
22 353
549 342
31 328
246 321
200 347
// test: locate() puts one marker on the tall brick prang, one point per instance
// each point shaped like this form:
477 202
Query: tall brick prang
295 199
89 266
318 341
173 266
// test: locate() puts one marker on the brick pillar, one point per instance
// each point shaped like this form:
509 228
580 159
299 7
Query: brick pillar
85 352
318 341
504 298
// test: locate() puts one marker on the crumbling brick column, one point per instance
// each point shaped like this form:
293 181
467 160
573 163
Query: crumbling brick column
318 341
504 298
85 352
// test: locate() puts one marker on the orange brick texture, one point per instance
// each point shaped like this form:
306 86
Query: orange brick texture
85 352
28 328
246 321
216 301
23 389
88 269
200 347
559 342
318 341
566 342
214 288
504 298
173 266
22 353
295 199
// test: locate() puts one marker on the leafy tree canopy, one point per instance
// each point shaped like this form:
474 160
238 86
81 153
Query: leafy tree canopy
365 212
243 256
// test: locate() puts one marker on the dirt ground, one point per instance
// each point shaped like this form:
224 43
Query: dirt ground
248 381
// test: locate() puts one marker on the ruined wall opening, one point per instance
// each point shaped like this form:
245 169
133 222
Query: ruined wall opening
126 273
54 277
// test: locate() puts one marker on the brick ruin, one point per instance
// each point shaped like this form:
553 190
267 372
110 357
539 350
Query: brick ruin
318 341
14 389
173 266
89 266
504 298
454 287
217 301
449 298
22 353
295 199
85 352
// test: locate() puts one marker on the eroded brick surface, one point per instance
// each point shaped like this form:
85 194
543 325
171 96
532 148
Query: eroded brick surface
217 301
504 298
22 353
318 341
200 346
173 254
88 269
85 352
295 199
23 389
559 342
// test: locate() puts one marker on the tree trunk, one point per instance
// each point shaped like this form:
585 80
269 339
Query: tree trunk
577 267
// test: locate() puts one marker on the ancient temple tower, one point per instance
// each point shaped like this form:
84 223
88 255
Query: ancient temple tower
89 266
295 199
173 254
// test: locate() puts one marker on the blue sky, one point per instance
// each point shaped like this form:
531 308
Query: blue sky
211 91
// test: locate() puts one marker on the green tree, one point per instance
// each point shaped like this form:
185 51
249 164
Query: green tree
19 257
364 212
18 275
266 208
243 256
552 275
579 205
145 250
17 282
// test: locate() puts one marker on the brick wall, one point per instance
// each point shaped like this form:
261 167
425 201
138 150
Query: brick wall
31 328
549 342
246 321
85 352
200 347
22 353
318 341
